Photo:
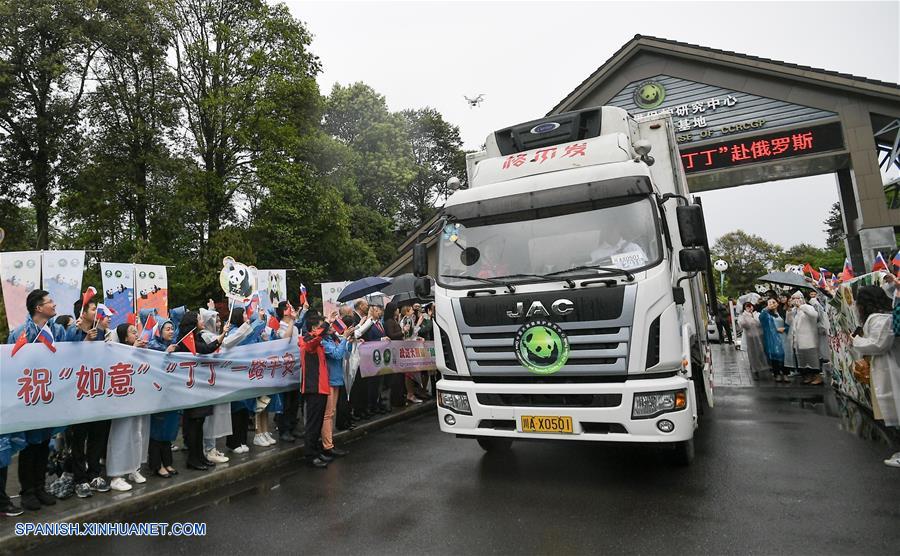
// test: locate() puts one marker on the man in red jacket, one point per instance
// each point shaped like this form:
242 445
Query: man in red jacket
314 387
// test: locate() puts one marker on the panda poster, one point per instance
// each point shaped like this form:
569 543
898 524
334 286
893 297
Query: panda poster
118 290
20 272
330 293
238 281
151 286
272 286
62 273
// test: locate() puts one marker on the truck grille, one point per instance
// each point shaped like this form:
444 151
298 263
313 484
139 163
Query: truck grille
599 332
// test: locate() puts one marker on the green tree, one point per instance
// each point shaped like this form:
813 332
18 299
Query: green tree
46 50
436 148
834 227
748 257
831 259
244 73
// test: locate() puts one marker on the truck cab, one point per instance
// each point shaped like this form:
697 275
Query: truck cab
570 288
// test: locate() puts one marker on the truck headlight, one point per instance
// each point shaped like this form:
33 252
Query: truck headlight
457 402
651 404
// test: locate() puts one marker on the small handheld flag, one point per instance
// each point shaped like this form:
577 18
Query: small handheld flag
45 336
149 328
104 312
273 323
21 341
821 283
847 273
132 319
190 343
86 297
879 263
825 272
339 326
811 271
302 295
896 260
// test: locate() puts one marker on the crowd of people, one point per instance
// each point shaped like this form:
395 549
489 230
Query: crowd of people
113 454
787 335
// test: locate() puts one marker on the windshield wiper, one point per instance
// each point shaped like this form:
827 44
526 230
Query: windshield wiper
509 287
542 277
627 274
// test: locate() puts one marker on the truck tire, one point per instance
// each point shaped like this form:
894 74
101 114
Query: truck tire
682 453
489 444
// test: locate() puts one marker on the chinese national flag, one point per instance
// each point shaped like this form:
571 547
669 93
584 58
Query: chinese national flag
19 343
811 271
86 296
189 342
132 319
274 323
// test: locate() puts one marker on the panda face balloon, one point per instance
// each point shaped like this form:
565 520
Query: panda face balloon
238 280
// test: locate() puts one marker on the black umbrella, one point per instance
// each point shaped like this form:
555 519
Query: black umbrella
363 287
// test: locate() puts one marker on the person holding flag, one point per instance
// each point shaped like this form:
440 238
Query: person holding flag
287 419
217 425
242 332
190 340
88 440
880 263
33 458
163 426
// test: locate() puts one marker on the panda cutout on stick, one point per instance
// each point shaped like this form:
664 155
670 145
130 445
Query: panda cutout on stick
274 288
238 280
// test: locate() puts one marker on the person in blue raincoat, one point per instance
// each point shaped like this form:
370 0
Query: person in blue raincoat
34 456
242 332
164 425
773 329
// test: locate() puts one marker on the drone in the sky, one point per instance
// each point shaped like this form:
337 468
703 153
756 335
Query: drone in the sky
474 102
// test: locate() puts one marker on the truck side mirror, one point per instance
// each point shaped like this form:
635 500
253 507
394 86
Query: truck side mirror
422 287
420 259
693 259
691 225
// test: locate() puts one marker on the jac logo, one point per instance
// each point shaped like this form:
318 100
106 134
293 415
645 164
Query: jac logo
559 307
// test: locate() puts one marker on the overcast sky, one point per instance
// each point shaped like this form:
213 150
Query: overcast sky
526 56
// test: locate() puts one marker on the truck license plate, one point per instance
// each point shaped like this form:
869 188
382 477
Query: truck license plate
537 423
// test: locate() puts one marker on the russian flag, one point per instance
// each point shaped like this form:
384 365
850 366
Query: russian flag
339 326
302 295
896 260
821 283
104 312
880 263
847 273
149 328
825 272
45 336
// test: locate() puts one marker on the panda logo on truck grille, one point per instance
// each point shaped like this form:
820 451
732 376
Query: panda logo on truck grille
541 347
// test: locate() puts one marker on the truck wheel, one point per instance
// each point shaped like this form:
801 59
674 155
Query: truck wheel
489 444
697 363
682 453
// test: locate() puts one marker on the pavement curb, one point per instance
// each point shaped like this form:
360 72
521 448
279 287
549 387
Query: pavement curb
117 510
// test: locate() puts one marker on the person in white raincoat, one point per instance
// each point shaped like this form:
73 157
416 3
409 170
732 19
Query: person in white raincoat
218 425
876 339
802 320
752 340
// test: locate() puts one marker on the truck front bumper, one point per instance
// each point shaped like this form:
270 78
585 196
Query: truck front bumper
492 414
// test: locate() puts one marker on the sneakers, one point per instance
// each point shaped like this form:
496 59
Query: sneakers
318 462
893 461
336 452
45 498
9 509
270 438
136 477
413 399
216 456
99 484
259 439
286 437
83 490
242 449
120 484
30 502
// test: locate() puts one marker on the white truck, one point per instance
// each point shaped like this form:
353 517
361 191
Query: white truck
570 288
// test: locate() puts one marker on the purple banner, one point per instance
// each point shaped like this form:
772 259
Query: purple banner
384 358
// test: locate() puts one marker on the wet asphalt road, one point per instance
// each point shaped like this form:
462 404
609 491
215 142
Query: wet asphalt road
778 470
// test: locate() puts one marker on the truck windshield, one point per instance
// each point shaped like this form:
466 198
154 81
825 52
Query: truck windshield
523 247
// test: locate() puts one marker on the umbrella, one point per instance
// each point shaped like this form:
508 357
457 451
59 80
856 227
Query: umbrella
363 287
402 288
791 279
